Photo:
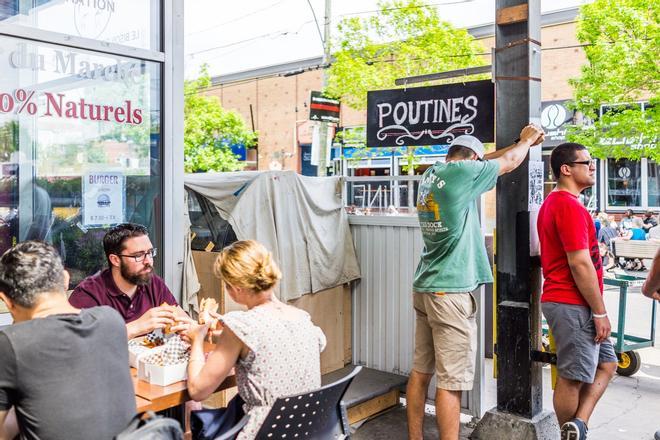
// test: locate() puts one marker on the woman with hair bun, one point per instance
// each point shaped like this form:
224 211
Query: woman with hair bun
275 348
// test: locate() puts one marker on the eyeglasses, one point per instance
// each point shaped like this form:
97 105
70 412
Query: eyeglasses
589 163
151 253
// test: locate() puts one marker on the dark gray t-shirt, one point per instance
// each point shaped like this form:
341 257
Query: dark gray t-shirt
67 375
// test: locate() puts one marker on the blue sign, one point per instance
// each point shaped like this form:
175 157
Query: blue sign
306 167
371 152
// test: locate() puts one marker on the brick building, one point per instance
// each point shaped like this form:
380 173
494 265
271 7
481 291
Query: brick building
275 99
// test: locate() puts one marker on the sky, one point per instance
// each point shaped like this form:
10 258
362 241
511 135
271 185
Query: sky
238 35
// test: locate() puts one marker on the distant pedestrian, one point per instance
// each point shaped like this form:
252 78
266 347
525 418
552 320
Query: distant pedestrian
572 292
650 221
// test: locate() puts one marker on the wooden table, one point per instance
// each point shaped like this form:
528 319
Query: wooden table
149 397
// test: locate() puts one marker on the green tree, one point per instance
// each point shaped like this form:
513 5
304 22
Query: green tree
622 45
403 39
210 130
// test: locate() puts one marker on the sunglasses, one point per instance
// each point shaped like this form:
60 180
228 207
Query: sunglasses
588 163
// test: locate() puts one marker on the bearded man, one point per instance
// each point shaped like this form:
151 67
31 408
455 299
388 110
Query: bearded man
129 285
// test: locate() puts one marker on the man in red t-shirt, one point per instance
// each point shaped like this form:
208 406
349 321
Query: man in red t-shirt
572 299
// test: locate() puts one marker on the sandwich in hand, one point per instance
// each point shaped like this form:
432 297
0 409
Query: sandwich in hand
206 307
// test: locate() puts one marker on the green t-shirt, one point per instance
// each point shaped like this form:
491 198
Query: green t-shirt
454 256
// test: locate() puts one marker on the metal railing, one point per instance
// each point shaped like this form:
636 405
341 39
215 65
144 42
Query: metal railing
380 195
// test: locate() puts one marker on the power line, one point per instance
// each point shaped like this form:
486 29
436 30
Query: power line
430 5
270 34
249 14
318 28
326 66
273 36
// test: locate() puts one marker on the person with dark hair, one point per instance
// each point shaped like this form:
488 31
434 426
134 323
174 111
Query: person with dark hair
626 222
572 299
129 285
649 220
452 265
54 351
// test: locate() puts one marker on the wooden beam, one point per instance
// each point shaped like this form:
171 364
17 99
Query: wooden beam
512 14
373 406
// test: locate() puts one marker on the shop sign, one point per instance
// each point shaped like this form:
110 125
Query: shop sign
556 117
430 115
27 102
322 108
634 142
103 198
72 63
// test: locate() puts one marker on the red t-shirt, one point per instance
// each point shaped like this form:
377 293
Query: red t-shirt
565 225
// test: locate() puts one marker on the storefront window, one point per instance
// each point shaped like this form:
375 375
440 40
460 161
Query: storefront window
132 23
624 183
653 184
80 149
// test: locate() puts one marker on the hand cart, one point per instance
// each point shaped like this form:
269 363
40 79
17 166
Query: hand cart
626 346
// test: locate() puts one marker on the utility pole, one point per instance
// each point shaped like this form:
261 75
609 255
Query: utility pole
519 414
323 129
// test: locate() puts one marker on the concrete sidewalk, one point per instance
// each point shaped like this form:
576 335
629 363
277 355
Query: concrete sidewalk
629 410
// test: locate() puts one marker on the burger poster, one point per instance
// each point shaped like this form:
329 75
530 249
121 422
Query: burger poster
103 198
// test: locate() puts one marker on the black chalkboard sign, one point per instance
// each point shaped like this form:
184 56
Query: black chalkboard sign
322 108
431 115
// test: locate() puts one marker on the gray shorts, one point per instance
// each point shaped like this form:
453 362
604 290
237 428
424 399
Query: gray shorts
574 331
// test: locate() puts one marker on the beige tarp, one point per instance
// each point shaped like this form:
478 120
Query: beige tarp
300 219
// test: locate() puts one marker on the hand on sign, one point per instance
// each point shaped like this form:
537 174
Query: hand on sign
532 134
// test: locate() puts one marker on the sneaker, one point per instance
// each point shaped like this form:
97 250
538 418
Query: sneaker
576 429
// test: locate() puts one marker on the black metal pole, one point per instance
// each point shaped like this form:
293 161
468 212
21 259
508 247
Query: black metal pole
518 92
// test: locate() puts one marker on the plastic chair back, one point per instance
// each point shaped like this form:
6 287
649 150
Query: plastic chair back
317 414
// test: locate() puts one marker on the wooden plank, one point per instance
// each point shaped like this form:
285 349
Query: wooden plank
326 310
348 326
512 14
220 399
210 286
373 406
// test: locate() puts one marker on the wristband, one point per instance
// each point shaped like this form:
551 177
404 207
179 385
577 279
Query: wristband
604 315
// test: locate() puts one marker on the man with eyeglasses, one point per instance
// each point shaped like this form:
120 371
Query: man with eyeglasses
129 285
572 299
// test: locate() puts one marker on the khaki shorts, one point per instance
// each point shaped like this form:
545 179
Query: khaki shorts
446 338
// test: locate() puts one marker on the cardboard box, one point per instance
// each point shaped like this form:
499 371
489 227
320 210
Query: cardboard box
160 375
135 350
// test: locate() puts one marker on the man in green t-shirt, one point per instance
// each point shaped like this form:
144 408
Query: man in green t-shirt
452 265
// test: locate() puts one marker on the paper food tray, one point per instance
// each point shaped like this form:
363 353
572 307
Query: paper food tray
160 375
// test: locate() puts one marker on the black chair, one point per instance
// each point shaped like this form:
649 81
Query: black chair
318 414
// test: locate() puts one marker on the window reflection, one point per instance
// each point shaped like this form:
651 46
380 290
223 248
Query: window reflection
79 149
624 182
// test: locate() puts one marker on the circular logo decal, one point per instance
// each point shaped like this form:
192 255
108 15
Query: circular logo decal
624 172
92 19
103 200
553 116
